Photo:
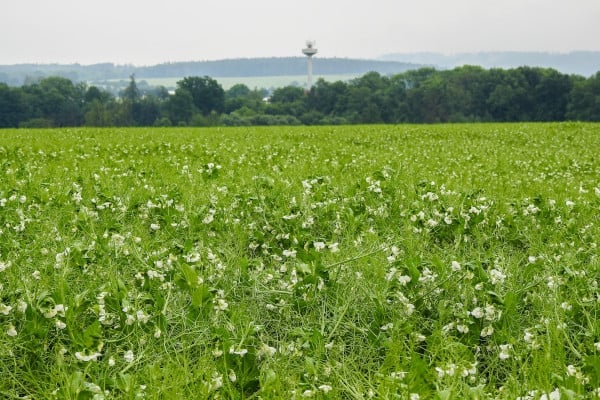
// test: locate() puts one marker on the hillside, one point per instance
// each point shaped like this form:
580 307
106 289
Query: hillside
585 63
19 74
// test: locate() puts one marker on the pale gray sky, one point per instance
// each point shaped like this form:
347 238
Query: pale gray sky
144 32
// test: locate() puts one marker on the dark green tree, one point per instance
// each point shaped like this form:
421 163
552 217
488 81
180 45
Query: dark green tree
240 96
512 97
414 78
329 98
94 93
365 99
363 106
551 96
12 106
180 107
287 94
131 92
99 107
428 102
207 94
101 113
469 88
239 90
147 111
128 109
57 100
584 104
288 100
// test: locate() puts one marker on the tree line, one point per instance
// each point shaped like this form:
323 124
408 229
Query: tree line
426 95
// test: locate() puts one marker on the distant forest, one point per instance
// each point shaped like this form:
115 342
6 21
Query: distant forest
585 63
424 95
22 74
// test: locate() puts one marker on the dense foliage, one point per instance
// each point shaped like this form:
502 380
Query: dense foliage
413 262
420 96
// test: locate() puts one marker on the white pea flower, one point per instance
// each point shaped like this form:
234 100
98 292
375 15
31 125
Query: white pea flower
440 372
142 316
4 309
497 276
553 395
217 353
232 376
221 305
333 247
87 357
216 382
566 306
129 356
4 266
22 306
404 279
130 319
240 352
528 337
289 253
325 388
60 309
266 350
387 326
504 351
51 313
11 331
478 312
487 331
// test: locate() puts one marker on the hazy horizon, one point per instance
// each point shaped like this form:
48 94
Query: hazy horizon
388 57
153 32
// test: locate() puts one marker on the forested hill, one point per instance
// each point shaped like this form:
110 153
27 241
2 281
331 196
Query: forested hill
585 63
16 75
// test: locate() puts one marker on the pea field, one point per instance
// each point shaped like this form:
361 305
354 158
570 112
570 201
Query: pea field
348 262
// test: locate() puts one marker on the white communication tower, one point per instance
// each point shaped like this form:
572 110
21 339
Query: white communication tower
309 51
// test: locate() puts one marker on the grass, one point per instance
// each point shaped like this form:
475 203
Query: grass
450 261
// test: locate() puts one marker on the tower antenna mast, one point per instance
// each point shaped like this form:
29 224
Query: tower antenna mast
309 51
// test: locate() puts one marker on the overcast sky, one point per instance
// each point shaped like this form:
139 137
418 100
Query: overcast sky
145 32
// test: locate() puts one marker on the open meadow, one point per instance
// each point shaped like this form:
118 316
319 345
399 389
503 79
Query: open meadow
350 262
253 82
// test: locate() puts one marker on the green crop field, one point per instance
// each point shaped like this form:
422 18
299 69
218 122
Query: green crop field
355 262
